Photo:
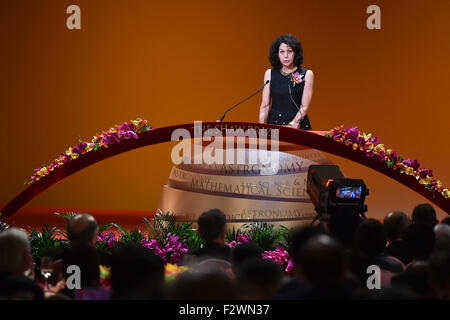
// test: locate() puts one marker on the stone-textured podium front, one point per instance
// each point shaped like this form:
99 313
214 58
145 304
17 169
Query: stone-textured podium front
242 193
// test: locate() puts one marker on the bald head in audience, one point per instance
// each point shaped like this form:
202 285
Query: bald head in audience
323 261
82 229
14 251
395 223
442 232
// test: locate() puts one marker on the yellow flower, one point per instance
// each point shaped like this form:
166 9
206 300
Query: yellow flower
74 155
369 146
366 136
355 146
409 171
446 193
378 148
89 147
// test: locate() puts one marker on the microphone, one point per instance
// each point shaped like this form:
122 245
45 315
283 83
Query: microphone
223 116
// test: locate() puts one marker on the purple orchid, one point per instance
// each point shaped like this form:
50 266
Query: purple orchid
412 163
79 148
110 138
126 127
105 236
127 135
423 173
352 134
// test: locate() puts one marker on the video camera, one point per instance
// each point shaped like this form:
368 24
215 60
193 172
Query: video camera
331 192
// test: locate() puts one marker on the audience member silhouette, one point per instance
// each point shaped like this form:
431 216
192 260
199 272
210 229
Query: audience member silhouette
416 278
395 223
420 240
205 285
136 273
258 279
211 227
323 266
14 261
84 257
440 273
243 252
370 238
424 213
296 287
442 232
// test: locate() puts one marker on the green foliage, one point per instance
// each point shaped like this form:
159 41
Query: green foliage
46 238
268 237
165 223
231 234
134 237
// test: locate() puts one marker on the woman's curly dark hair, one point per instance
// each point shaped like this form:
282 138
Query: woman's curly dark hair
292 42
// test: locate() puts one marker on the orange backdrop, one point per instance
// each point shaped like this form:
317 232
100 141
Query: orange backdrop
174 62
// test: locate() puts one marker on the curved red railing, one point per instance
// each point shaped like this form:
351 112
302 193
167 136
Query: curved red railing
310 139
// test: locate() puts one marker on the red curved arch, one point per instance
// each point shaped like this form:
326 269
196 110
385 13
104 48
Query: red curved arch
310 139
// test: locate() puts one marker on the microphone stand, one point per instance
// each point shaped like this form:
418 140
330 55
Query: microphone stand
223 116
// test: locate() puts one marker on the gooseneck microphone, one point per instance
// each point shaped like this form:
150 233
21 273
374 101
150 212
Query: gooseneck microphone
223 116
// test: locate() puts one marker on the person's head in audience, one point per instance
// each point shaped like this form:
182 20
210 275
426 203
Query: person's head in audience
442 232
211 226
424 213
420 240
244 252
323 262
440 273
446 221
417 279
370 237
133 265
82 229
258 279
205 285
297 240
14 251
395 223
86 258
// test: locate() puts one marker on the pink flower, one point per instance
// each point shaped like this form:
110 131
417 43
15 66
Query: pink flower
241 238
126 127
296 78
290 266
127 135
105 236
279 256
110 138
171 252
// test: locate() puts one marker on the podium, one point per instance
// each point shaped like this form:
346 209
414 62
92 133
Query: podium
243 191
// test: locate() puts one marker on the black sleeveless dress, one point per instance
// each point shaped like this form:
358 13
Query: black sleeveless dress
283 108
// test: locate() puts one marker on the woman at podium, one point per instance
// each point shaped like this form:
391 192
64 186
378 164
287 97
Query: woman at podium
291 85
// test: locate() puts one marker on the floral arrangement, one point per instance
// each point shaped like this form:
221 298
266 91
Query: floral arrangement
281 257
240 239
296 78
109 238
372 147
127 130
171 252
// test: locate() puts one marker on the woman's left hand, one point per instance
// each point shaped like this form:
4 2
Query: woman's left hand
294 124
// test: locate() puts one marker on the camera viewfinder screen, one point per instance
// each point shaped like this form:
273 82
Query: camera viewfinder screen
351 192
